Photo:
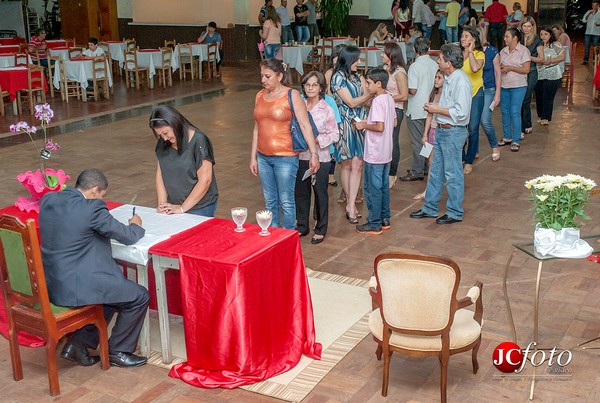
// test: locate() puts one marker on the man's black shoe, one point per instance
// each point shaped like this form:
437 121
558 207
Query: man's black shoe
120 359
421 214
446 220
78 354
410 178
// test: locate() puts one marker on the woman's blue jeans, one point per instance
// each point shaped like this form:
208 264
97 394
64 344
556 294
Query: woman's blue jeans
206 211
271 50
302 33
278 180
486 117
475 118
511 100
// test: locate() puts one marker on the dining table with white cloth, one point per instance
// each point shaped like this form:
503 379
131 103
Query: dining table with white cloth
79 70
8 60
117 49
62 52
198 49
295 56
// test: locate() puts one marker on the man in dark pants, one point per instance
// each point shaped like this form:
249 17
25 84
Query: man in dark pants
75 230
496 14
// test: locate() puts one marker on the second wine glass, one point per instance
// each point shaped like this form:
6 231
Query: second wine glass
263 218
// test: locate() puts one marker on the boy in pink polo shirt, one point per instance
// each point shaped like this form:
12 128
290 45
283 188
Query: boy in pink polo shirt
378 153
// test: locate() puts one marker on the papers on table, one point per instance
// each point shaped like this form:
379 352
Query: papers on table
158 228
426 150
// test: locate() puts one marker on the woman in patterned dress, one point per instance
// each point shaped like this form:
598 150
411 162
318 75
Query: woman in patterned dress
348 91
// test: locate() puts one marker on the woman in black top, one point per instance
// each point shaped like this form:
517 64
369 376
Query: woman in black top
185 179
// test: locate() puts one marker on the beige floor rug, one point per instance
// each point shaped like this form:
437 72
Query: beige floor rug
341 306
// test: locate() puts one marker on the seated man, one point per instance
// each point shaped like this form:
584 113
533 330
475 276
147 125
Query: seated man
75 230
212 36
39 42
93 50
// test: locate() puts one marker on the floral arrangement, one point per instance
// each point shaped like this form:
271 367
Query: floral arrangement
559 200
43 180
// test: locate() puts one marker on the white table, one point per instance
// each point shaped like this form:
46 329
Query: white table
198 49
373 57
80 71
9 60
159 227
295 56
116 49
63 54
150 59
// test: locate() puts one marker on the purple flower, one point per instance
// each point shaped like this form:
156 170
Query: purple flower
44 113
22 127
50 146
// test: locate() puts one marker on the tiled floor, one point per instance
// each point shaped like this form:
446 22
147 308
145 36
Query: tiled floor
497 214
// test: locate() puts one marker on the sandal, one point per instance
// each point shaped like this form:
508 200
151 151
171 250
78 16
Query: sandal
420 196
495 156
514 147
352 220
529 130
467 169
504 142
342 198
522 136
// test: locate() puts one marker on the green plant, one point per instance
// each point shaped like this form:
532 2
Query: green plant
334 14
559 200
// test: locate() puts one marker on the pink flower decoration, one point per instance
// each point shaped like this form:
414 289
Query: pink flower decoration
50 146
35 183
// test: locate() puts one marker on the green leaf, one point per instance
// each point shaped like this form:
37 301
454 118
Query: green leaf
52 180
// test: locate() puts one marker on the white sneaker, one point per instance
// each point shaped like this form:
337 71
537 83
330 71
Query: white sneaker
392 180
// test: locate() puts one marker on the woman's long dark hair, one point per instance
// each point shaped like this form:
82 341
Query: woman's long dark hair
394 53
551 40
475 34
434 90
403 5
348 56
162 116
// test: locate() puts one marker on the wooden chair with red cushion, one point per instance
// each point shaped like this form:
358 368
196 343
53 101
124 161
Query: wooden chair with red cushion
27 303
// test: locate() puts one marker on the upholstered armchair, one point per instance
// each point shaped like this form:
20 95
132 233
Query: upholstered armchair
416 312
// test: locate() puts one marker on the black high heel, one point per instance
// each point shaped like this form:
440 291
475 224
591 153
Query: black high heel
352 220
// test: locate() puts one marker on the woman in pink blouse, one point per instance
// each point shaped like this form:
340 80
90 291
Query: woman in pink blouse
313 92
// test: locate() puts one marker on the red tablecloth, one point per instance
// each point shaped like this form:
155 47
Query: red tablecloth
9 48
14 79
247 309
56 43
24 338
15 40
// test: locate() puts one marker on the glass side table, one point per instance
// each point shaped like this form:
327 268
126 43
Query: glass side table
529 249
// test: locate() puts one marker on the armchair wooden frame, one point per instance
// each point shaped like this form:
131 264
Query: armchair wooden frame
68 88
27 302
166 76
35 89
100 72
133 71
316 60
170 44
211 68
51 71
386 349
187 63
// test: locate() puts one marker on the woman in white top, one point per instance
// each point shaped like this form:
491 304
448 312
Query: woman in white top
550 72
398 88
402 19
380 34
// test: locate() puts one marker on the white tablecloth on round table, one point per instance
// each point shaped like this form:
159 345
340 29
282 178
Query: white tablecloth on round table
150 59
295 56
9 60
116 49
373 57
80 71
63 54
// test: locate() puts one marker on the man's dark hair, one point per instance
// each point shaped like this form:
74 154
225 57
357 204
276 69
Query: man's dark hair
90 178
93 40
212 24
379 74
421 46
453 54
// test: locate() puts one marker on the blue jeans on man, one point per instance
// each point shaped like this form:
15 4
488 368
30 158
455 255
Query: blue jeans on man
377 192
278 180
271 50
486 116
589 39
286 34
302 33
475 118
452 34
511 100
427 31
447 166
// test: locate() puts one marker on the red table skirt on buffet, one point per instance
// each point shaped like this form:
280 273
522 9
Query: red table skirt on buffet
24 338
246 303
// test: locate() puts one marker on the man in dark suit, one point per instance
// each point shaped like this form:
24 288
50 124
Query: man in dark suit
75 230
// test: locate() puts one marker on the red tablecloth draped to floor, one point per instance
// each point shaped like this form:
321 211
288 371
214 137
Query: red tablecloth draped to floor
14 79
246 302
24 338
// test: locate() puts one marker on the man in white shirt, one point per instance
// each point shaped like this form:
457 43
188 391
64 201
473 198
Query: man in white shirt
284 16
93 50
417 14
592 29
421 75
452 116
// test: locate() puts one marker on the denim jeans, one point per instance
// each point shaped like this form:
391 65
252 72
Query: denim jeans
377 192
302 33
396 143
427 31
511 100
486 117
206 211
473 143
447 165
271 50
278 179
532 78
589 39
452 34
286 34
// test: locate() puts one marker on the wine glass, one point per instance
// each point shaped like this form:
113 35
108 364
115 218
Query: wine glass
239 215
263 218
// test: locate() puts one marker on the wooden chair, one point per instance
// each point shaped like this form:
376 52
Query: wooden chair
130 44
114 64
316 60
100 76
3 94
363 66
165 74
134 73
187 63
568 74
211 62
417 313
51 71
327 50
316 40
75 52
23 48
22 59
27 303
34 91
34 55
70 43
354 41
68 88
170 44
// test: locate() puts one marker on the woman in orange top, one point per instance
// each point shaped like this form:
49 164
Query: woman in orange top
273 157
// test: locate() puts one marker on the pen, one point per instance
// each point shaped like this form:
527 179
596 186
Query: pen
133 211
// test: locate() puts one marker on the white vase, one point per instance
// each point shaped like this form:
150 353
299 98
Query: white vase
564 243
